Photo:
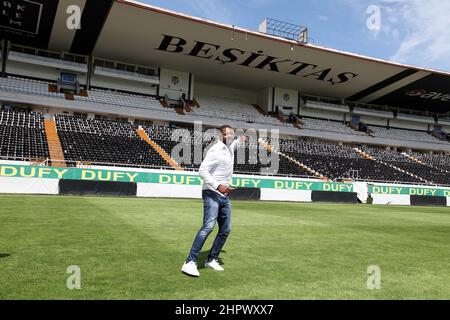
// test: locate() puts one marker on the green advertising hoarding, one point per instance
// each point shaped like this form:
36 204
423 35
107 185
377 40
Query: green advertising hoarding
408 190
173 178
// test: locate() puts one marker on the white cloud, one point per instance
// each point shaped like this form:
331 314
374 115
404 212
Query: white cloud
423 28
215 10
225 11
420 28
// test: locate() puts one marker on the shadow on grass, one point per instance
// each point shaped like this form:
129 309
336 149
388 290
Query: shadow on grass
203 256
4 255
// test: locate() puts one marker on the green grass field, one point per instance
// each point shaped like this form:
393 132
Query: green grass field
133 248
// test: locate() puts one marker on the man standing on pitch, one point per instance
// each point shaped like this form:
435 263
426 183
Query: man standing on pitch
216 171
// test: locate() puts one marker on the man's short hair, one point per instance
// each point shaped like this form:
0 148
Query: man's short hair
226 126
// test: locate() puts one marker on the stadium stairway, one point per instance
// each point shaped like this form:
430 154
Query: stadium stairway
143 135
53 88
409 157
365 155
195 103
179 111
260 110
190 105
317 174
298 124
69 96
312 171
348 124
54 144
401 170
83 93
414 159
164 103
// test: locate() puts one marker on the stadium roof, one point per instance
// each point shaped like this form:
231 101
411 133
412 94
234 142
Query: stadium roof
138 33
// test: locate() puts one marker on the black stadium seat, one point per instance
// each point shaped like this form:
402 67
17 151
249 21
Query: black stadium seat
104 142
22 136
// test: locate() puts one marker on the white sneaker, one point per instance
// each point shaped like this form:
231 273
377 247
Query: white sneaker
214 264
190 268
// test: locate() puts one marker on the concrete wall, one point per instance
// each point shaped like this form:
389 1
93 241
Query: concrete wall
286 99
41 72
174 83
309 112
408 125
122 84
264 99
374 120
210 90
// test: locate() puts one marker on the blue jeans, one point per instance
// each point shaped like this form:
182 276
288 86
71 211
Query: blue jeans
215 208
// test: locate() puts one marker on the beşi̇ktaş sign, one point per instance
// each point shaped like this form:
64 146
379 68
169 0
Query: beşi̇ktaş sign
255 60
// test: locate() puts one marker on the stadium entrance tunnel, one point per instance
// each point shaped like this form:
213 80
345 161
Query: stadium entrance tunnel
428 201
106 188
336 197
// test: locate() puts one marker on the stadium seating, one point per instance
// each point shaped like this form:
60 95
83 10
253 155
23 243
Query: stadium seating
117 143
122 99
401 161
22 136
340 162
27 86
225 110
400 134
105 142
162 135
328 125
331 160
232 109
438 160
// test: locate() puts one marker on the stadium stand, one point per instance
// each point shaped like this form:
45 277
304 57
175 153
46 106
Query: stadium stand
114 143
232 109
400 160
438 160
122 99
401 134
341 162
329 125
105 142
28 86
22 135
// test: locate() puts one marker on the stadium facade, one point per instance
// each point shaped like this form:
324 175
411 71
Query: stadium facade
92 107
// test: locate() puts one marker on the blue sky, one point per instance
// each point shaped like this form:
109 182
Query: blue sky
415 32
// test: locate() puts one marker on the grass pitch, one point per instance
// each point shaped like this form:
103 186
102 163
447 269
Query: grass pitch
131 248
